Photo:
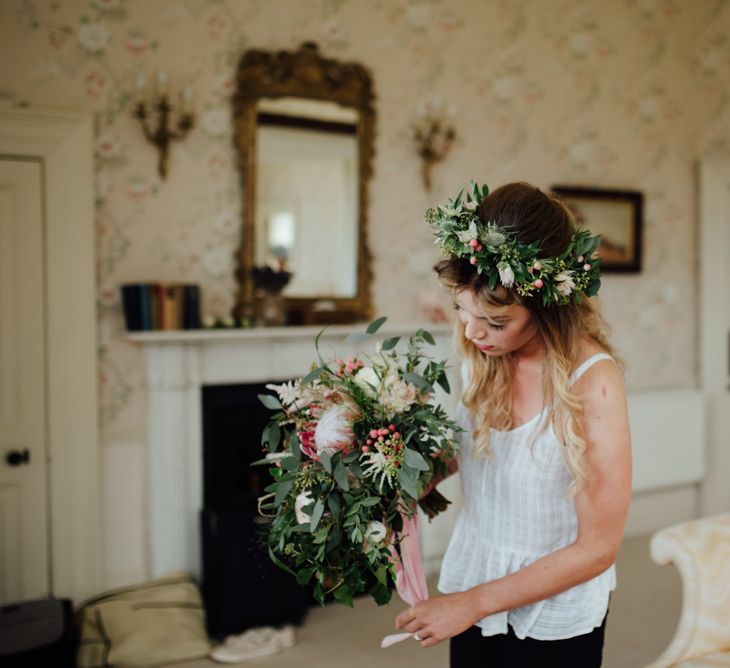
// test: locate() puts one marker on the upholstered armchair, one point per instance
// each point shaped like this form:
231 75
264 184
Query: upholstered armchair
700 550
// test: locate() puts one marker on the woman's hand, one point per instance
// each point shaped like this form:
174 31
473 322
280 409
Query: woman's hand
439 618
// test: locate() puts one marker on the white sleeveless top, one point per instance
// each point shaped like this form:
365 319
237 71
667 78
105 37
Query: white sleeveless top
514 512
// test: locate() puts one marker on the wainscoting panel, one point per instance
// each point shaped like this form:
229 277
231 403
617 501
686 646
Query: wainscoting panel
668 438
124 490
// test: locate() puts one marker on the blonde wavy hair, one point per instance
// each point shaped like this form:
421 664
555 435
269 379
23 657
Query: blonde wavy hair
531 215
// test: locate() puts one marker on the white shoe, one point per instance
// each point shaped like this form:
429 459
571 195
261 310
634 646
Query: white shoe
253 643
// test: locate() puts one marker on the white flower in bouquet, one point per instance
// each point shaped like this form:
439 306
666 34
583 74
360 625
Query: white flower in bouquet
288 392
368 380
292 394
375 532
303 499
334 430
398 395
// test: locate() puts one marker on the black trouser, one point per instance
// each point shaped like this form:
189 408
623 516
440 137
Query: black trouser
505 650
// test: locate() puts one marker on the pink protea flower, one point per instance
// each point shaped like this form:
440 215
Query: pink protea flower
307 444
334 430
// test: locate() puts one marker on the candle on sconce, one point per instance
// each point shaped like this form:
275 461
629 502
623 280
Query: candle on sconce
187 100
161 83
164 120
141 88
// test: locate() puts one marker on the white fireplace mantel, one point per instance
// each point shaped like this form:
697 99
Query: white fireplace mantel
179 363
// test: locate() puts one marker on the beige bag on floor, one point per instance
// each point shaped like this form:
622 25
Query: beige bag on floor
150 624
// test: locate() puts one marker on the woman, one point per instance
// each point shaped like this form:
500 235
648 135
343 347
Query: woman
545 458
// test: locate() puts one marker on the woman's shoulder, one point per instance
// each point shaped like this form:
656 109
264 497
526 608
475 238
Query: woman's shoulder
602 373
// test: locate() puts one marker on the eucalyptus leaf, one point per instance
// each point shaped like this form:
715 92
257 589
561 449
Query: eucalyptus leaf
391 343
318 594
407 478
273 436
289 463
282 490
333 539
270 401
343 595
340 475
415 460
316 346
418 381
316 515
333 501
296 451
326 461
305 575
381 593
426 335
312 375
375 325
350 457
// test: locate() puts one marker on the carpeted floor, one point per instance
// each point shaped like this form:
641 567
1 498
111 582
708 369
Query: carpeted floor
644 613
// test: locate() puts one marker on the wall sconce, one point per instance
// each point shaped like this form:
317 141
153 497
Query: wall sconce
161 135
434 135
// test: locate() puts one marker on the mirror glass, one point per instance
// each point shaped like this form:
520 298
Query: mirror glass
307 194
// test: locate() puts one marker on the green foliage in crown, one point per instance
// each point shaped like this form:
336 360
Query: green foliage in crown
494 251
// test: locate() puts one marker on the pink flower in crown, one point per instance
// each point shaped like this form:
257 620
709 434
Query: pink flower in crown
334 430
136 43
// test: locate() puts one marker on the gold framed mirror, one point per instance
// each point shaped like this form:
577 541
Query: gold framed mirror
303 131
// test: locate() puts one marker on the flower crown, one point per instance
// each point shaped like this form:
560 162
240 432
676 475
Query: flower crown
496 252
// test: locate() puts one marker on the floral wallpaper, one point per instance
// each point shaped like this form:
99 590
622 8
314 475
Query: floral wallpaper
584 92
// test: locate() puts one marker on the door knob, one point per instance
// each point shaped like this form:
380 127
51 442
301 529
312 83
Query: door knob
18 457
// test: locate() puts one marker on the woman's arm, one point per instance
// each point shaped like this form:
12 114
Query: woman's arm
452 466
601 507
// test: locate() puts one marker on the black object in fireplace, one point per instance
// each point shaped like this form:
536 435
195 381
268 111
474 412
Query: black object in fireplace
242 588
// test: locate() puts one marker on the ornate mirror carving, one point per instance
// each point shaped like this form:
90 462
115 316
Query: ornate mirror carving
304 129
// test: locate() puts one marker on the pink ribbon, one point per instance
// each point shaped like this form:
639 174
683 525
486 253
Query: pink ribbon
410 581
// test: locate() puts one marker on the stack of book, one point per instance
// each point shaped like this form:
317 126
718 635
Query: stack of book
151 306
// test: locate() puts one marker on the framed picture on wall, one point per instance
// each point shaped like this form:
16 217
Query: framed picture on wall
617 215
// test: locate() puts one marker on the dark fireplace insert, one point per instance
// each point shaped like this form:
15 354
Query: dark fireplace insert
242 588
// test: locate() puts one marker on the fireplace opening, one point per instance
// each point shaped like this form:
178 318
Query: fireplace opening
242 588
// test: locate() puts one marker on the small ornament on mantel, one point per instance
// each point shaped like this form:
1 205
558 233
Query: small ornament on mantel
434 135
270 303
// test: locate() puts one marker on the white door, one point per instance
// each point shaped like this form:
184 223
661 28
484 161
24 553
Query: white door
714 265
24 563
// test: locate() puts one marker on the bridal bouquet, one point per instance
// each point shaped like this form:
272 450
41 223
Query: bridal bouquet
351 448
